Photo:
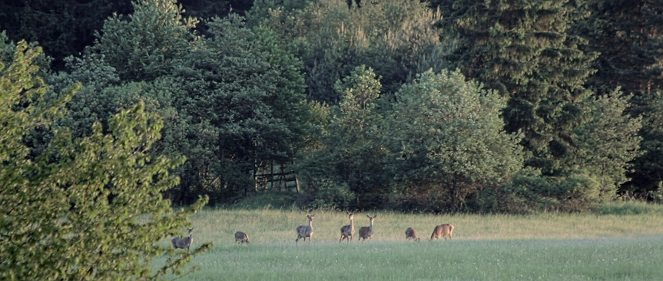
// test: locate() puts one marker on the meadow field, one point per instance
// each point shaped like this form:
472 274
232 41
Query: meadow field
484 247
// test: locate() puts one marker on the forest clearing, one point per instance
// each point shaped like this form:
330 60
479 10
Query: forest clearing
484 247
253 137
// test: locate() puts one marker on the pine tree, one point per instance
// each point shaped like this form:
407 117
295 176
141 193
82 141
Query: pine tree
144 45
647 173
523 50
606 143
629 36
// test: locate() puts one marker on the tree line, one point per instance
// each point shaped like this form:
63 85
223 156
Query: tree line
441 105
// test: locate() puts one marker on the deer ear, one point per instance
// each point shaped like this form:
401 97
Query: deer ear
313 215
368 216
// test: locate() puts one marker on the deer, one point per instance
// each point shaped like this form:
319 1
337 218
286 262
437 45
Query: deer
348 230
185 242
241 237
443 230
411 233
367 231
304 231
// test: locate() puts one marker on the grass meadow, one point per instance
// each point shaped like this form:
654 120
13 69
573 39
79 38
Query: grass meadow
484 247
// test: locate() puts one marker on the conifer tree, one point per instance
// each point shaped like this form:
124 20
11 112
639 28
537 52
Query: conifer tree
629 36
606 143
144 44
523 50
647 174
83 209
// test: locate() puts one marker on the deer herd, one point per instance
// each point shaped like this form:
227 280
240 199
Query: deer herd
347 232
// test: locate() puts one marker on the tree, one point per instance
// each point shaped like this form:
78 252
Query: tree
446 140
606 143
396 38
647 174
628 35
241 101
353 144
84 209
146 44
523 50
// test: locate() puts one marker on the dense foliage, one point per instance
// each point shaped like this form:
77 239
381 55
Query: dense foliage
444 105
87 208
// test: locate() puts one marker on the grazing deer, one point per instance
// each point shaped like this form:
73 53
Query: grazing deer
348 230
241 237
367 231
411 233
304 231
184 242
443 230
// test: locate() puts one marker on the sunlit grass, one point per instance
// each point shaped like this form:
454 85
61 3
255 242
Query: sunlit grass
491 247
278 226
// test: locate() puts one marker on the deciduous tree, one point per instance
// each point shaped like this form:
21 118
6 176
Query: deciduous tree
447 141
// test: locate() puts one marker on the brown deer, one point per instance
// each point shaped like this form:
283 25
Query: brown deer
348 230
411 233
367 231
443 230
185 242
304 231
241 237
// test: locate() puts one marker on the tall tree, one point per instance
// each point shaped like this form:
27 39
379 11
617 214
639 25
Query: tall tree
144 44
523 49
629 36
348 161
242 101
647 173
354 140
606 143
84 209
396 38
447 141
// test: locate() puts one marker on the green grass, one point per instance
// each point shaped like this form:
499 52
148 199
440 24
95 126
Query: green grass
494 247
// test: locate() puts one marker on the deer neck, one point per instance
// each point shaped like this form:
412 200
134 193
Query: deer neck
352 224
310 225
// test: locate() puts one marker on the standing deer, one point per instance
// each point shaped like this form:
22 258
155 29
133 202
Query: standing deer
184 242
241 237
443 230
304 231
348 230
367 231
411 233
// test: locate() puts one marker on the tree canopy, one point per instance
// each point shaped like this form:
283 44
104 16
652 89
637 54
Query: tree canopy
441 105
89 208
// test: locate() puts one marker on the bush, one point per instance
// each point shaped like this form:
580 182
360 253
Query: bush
531 194
330 195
